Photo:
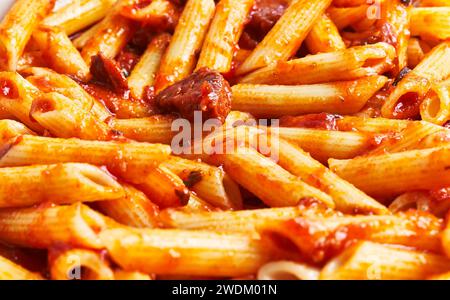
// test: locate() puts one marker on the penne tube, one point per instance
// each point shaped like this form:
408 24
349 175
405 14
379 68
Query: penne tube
133 209
405 99
403 229
346 197
49 81
158 13
434 3
81 40
12 271
388 175
275 186
17 27
144 72
343 17
208 182
111 36
351 3
154 129
223 35
80 264
324 144
62 184
344 97
10 129
324 37
350 64
285 38
129 159
367 260
444 276
78 15
195 252
446 238
195 205
16 98
435 108
163 187
42 227
240 220
128 275
423 201
416 52
63 118
60 53
179 60
287 270
430 22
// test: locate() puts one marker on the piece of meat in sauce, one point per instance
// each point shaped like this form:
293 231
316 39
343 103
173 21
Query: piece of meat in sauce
264 15
108 72
205 90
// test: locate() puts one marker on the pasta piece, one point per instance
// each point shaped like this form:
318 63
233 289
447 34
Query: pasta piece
17 27
344 16
239 221
388 175
62 117
223 35
208 182
79 264
434 3
345 97
125 158
158 13
10 129
63 184
324 37
346 197
42 227
144 72
48 81
78 15
350 64
60 53
133 209
16 97
371 125
155 129
287 270
110 37
285 38
404 101
178 252
431 22
179 59
416 52
275 186
320 238
195 205
435 107
367 260
12 271
81 40
446 238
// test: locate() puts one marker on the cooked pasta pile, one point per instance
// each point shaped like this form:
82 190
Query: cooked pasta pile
231 139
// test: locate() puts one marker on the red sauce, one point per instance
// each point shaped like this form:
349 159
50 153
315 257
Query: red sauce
127 60
8 89
407 106
316 121
42 105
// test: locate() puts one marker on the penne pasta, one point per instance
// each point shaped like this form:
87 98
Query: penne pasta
195 252
17 27
43 227
352 63
344 97
78 15
62 184
144 72
127 275
388 175
287 270
79 264
343 17
435 108
10 129
324 37
223 35
431 22
285 38
132 209
367 260
179 59
416 52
